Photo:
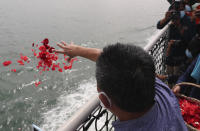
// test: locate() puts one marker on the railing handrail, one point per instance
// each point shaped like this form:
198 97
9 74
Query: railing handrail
77 119
156 38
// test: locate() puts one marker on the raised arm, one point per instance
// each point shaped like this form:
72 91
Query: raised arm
73 50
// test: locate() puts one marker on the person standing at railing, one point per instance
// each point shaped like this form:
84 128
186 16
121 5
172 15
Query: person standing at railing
193 53
188 77
127 87
181 30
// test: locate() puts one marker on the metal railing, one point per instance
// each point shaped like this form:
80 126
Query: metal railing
90 114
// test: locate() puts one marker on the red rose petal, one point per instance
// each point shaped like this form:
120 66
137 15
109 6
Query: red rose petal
20 62
190 112
7 63
45 41
47 46
37 83
60 70
13 70
51 49
42 48
25 58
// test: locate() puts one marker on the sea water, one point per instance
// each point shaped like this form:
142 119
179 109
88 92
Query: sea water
90 23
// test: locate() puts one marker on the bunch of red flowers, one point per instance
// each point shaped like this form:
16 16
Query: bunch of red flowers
190 112
19 61
47 59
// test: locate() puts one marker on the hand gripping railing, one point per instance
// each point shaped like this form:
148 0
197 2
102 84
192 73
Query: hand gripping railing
90 113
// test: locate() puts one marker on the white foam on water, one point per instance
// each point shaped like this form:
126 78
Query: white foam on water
67 105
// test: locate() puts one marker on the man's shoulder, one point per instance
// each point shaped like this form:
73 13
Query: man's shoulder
163 116
164 95
161 86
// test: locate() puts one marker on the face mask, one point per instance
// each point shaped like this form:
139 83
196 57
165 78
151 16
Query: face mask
182 13
188 54
101 103
187 8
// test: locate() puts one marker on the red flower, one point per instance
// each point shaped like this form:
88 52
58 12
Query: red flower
48 58
51 49
42 48
25 58
66 59
53 68
7 63
71 63
60 69
190 112
45 41
72 60
33 44
47 46
37 83
13 70
20 62
66 67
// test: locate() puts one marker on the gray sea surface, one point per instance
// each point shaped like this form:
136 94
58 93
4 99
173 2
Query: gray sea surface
90 23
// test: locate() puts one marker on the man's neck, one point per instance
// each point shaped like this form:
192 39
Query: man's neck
125 116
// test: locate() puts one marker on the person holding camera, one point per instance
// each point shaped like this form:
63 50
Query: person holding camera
181 30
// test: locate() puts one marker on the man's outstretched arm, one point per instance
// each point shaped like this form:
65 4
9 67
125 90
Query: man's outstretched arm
73 50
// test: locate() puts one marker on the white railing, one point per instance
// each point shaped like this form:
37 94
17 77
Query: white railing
91 111
75 121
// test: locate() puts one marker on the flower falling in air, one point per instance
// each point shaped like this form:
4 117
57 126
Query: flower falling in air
20 62
37 83
7 63
47 59
13 70
24 58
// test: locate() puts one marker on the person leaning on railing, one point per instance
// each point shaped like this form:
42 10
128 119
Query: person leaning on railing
181 31
127 87
192 74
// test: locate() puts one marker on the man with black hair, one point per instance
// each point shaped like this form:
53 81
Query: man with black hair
128 88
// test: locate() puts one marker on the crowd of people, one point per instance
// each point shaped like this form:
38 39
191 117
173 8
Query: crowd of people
126 80
183 51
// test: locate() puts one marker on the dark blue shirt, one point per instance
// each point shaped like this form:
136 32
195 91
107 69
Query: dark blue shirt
186 77
165 114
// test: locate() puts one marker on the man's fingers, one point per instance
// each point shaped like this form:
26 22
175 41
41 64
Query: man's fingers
59 51
60 45
64 43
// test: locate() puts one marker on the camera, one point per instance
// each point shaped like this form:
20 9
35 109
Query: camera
175 8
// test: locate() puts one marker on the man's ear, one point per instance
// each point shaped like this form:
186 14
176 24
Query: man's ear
105 101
